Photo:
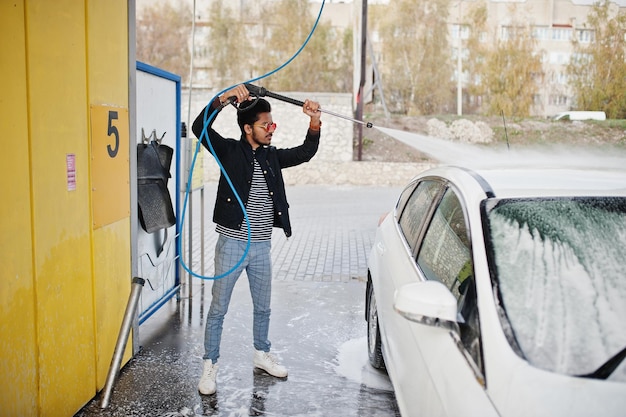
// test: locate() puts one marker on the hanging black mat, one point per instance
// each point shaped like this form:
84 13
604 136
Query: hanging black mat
153 171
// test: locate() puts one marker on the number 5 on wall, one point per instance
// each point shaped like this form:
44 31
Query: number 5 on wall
112 130
110 174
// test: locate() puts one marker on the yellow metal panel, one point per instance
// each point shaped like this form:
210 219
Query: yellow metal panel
112 262
108 86
108 52
58 115
53 260
109 164
18 348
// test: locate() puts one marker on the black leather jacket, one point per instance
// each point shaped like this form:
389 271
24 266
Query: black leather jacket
237 159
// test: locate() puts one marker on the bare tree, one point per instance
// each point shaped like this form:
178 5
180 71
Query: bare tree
415 61
478 52
597 71
325 64
163 32
235 47
229 48
511 72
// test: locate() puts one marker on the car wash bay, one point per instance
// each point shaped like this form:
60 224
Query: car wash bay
318 328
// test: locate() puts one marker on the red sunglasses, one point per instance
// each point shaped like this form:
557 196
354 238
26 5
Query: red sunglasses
267 126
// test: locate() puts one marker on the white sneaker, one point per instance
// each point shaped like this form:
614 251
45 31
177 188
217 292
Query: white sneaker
207 385
269 363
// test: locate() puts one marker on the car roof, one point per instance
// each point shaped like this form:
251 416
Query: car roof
555 182
541 182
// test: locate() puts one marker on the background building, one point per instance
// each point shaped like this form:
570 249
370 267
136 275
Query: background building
554 24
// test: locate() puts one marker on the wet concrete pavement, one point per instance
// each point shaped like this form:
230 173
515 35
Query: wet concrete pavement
317 327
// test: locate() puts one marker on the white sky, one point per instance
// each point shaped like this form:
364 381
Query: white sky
622 3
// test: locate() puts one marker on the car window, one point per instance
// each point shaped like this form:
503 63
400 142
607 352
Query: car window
404 197
445 251
445 255
414 211
558 264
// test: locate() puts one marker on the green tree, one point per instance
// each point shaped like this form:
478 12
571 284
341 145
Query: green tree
163 32
597 71
512 71
415 62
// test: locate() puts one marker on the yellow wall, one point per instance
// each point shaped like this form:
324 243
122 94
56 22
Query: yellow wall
108 85
64 283
18 343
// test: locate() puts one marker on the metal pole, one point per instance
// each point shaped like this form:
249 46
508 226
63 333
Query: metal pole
363 66
366 124
459 65
193 51
132 149
202 230
190 240
122 338
459 87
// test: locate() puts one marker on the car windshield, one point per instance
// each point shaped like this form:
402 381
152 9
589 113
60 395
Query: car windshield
560 268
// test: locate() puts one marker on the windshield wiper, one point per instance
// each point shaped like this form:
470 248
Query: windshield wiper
608 367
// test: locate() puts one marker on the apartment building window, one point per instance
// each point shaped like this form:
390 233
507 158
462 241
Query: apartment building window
580 58
507 32
561 34
585 35
558 78
541 33
560 58
201 51
460 31
558 100
512 32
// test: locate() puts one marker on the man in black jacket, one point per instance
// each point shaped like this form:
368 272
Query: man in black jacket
255 170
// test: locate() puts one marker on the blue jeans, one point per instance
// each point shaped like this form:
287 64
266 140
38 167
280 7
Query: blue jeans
259 270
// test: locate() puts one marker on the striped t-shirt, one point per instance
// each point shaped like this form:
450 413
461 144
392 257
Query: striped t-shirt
260 210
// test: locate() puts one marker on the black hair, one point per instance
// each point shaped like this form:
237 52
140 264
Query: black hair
249 111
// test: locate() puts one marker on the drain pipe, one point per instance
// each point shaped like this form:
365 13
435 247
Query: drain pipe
122 338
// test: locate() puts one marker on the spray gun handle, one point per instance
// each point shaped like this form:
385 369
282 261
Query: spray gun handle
262 92
256 90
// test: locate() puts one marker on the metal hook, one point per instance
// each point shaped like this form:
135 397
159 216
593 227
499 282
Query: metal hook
153 137
145 140
159 140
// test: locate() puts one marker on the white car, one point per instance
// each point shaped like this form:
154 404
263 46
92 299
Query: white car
503 293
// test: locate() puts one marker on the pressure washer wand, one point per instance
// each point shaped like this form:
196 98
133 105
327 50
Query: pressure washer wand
262 92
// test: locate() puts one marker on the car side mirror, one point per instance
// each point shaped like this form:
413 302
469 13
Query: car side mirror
427 302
